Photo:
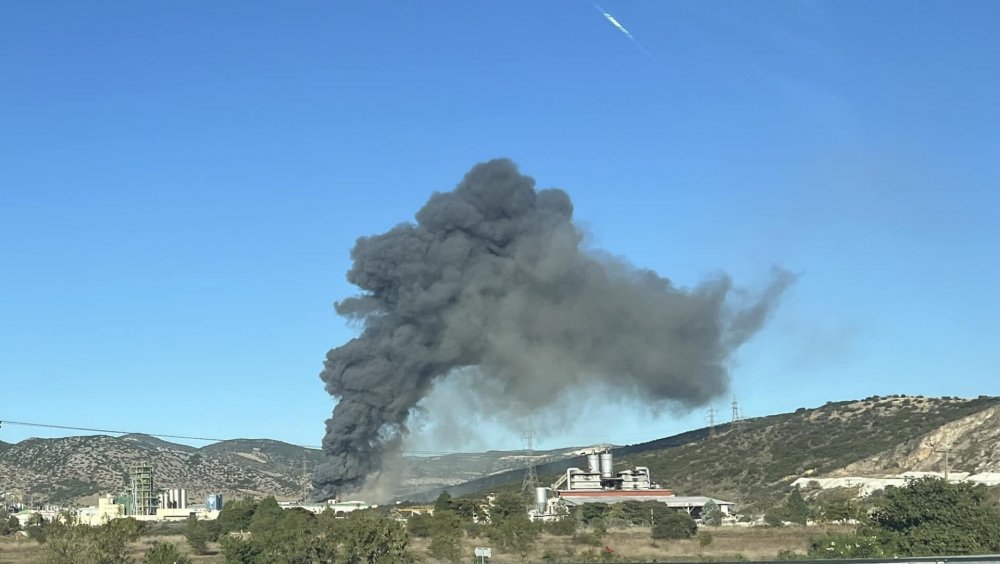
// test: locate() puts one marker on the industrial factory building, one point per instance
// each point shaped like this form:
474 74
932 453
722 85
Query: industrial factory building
142 501
141 498
599 483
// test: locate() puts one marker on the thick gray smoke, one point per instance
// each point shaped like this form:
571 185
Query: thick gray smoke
493 276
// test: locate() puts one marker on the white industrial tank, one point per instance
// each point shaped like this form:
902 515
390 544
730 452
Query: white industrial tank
541 499
607 466
593 464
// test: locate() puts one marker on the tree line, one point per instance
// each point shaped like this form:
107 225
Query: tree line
927 517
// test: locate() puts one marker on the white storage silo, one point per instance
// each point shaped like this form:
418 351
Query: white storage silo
607 466
594 463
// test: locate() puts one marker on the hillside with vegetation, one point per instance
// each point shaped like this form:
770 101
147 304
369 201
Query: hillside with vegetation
755 461
76 469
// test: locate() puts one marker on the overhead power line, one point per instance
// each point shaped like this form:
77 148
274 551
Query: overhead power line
216 440
71 428
211 439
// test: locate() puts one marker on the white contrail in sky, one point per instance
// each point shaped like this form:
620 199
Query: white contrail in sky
621 28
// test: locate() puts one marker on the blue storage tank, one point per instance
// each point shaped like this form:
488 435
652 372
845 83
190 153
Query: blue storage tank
213 502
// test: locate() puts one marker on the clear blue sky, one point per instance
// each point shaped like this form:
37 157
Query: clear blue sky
181 182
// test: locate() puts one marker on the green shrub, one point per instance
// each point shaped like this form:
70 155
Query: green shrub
565 527
419 525
711 514
374 538
796 509
474 530
165 553
593 512
67 542
236 515
774 517
237 550
589 539
446 536
931 517
674 525
196 533
8 524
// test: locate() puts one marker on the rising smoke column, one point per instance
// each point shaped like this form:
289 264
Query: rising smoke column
493 276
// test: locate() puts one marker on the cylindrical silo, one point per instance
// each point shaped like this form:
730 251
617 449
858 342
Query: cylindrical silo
541 499
607 465
593 464
184 499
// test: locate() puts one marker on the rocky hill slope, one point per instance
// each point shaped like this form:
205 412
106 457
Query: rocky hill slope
68 469
76 469
972 444
756 460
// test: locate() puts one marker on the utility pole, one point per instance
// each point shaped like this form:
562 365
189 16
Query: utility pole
530 475
947 455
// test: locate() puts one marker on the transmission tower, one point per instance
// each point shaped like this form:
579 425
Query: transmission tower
530 475
737 416
711 421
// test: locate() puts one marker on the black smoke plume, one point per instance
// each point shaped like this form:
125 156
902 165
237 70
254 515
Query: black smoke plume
493 276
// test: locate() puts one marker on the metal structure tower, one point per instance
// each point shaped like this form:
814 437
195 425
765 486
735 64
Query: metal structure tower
143 500
305 481
711 421
737 416
530 475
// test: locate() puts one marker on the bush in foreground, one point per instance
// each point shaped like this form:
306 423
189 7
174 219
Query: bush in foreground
927 517
165 553
674 525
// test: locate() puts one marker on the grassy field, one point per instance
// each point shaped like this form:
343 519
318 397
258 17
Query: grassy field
728 543
18 550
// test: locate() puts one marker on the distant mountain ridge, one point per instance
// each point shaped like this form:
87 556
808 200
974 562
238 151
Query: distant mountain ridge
76 469
754 461
67 469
